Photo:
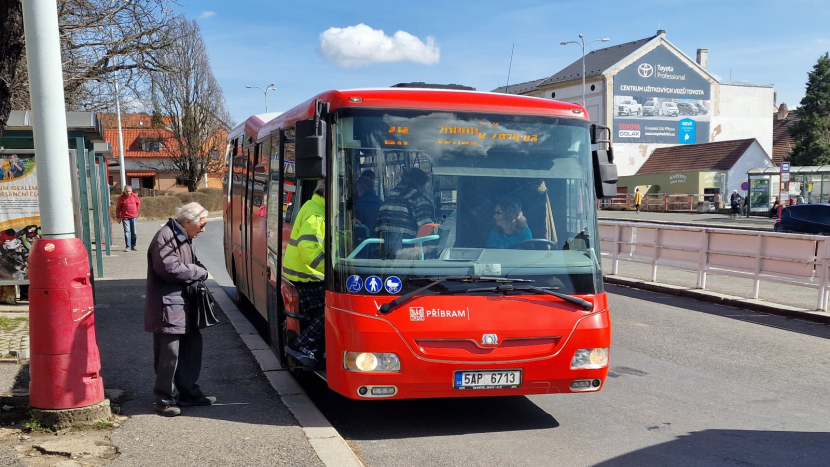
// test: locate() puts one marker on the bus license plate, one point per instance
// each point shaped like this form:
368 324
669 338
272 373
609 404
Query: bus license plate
505 379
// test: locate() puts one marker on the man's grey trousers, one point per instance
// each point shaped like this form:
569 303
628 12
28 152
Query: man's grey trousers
177 359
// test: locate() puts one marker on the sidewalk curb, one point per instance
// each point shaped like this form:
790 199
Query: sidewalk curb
722 299
329 446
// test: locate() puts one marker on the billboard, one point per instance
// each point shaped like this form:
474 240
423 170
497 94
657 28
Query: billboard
19 214
658 98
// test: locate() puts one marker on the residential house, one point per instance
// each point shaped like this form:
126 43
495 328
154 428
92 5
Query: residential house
147 154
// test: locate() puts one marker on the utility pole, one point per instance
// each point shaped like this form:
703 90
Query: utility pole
582 44
64 365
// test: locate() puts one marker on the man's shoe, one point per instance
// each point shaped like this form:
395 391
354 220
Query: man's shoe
167 410
304 356
126 249
205 401
135 249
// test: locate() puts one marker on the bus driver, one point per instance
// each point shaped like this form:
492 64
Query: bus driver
304 266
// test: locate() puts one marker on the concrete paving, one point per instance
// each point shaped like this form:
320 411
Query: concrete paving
249 425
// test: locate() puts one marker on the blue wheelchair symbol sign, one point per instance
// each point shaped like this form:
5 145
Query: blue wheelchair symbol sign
354 284
373 284
392 284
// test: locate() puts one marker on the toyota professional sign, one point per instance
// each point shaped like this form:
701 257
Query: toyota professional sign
660 99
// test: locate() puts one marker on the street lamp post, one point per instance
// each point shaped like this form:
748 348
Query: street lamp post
270 87
583 44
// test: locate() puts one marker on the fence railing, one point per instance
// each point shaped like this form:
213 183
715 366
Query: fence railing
662 202
761 256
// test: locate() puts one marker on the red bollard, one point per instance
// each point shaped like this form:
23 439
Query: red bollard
65 365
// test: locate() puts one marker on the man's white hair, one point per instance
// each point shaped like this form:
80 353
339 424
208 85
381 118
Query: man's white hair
192 211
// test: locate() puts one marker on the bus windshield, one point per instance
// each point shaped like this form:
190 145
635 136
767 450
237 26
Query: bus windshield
421 195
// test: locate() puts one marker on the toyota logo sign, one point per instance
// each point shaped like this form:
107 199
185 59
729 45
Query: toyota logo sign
645 70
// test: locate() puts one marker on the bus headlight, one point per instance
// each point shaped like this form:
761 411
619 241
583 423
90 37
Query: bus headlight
371 361
589 359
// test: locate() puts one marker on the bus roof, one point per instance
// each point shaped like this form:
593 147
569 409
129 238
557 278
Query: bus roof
252 124
415 98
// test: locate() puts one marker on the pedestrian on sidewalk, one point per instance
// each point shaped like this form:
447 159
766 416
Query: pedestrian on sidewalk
177 349
304 266
638 198
735 203
126 213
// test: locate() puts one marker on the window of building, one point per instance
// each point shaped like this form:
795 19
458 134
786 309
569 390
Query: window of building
180 181
151 146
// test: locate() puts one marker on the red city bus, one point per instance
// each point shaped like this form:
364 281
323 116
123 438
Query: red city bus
459 309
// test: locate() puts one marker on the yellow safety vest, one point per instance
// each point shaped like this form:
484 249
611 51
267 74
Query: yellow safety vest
305 255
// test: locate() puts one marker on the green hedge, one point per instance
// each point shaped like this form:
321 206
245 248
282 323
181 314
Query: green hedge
163 207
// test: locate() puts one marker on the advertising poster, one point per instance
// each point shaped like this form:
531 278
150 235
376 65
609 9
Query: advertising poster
759 195
660 99
19 215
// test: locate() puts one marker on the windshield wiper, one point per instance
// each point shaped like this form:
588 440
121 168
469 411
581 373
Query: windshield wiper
510 288
387 308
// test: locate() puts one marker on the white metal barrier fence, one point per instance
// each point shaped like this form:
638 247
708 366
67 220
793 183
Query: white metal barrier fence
662 202
761 256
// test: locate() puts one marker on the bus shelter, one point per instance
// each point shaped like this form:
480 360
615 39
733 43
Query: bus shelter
88 153
808 184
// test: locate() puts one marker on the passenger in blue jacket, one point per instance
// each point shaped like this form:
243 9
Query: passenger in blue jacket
511 225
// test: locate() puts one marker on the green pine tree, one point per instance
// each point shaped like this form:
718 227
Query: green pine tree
156 121
811 133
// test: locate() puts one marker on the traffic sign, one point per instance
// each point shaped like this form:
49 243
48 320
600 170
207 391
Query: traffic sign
745 186
785 167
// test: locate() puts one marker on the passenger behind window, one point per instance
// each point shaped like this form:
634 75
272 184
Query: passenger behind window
405 210
367 203
511 225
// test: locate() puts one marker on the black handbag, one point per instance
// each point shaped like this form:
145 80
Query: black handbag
200 306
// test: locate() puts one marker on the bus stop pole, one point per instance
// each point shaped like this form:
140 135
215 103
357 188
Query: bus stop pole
64 363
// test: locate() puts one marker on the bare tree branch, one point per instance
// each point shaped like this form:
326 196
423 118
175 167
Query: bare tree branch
188 94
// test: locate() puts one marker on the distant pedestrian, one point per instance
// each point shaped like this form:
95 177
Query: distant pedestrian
126 213
638 198
773 211
735 203
177 348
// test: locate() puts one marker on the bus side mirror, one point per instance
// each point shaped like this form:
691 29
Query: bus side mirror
605 173
310 149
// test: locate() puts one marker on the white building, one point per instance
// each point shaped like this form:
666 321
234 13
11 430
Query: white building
652 96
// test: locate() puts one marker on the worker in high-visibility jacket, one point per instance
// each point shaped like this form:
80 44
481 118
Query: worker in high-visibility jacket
304 266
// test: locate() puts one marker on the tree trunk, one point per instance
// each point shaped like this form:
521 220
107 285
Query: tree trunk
11 49
192 185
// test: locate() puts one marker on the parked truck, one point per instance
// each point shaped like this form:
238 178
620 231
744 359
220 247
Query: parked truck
629 107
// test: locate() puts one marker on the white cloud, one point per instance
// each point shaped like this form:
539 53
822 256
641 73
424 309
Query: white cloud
355 46
207 14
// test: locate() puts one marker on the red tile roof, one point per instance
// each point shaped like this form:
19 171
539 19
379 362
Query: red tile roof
782 143
133 139
138 121
721 155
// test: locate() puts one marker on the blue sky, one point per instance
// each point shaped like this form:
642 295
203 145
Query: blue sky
257 42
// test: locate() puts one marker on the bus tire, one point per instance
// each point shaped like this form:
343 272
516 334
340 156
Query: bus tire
241 299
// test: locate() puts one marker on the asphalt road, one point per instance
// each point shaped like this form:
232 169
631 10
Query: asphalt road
690 384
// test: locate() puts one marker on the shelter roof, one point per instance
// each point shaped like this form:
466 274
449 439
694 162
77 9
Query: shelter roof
721 155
